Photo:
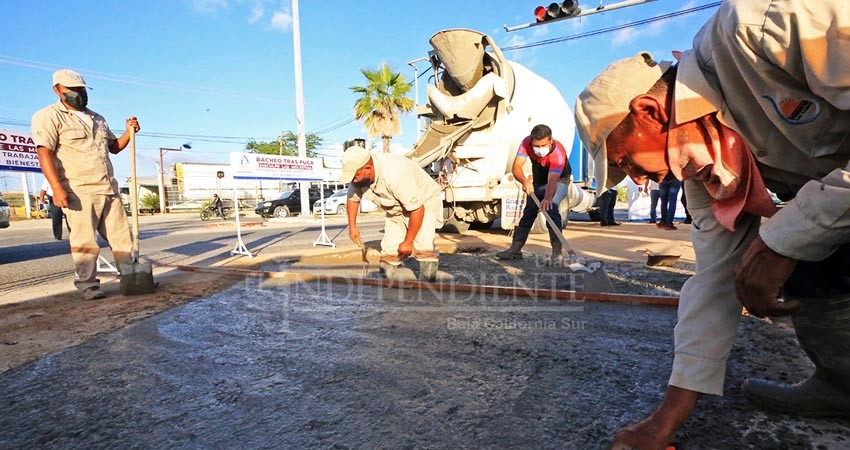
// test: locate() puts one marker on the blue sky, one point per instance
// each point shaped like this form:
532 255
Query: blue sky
222 70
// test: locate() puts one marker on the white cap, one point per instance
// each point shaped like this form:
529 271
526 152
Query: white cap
353 158
604 103
68 78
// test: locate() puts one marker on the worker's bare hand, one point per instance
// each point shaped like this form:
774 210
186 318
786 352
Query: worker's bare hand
528 187
546 204
759 278
132 123
354 235
641 436
60 198
405 249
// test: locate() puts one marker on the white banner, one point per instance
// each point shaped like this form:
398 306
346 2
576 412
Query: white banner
256 166
17 152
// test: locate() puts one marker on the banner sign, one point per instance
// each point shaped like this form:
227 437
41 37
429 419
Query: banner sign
17 152
257 166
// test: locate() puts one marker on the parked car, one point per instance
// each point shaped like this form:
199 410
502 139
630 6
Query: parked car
4 214
287 203
335 204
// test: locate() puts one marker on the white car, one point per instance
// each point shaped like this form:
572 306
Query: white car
335 204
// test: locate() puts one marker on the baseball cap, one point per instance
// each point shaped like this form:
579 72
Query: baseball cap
604 103
353 158
68 78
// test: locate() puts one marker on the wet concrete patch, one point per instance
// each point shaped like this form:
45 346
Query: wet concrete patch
313 365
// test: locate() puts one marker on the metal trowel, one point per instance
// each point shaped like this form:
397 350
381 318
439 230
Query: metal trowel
591 275
136 276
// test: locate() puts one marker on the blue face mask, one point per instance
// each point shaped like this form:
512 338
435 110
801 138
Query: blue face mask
76 100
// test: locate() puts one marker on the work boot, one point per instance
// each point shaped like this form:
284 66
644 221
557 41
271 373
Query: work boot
515 250
93 293
428 270
557 258
823 330
814 397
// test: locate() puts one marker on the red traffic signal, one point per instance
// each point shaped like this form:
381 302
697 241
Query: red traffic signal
567 8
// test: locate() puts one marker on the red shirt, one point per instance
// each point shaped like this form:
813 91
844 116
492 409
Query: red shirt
555 161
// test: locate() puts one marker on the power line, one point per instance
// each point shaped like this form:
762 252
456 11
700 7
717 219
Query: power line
614 28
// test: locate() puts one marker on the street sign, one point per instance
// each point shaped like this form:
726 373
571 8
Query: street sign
256 166
17 152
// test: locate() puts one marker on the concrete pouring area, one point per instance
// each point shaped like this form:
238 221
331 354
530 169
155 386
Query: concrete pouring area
278 364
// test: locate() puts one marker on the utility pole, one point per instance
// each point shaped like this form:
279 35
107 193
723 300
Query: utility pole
299 106
281 144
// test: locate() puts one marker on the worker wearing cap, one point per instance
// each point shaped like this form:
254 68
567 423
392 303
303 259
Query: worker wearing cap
762 100
73 144
411 199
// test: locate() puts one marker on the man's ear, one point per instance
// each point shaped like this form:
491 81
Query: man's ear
649 109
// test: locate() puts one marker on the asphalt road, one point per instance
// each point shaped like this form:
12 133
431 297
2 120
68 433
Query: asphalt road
34 264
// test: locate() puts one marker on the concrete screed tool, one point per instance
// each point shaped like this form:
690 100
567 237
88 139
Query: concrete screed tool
589 276
136 277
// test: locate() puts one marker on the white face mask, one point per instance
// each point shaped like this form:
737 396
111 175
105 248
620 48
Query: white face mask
541 151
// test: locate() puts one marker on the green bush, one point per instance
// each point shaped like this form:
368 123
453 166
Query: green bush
150 202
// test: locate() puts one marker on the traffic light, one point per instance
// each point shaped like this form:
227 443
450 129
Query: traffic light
567 8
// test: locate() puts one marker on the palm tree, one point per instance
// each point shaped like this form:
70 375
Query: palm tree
382 100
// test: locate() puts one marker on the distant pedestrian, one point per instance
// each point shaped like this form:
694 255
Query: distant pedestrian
688 218
668 192
73 145
45 196
651 188
607 203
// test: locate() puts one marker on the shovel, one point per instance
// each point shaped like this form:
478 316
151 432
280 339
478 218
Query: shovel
593 275
136 277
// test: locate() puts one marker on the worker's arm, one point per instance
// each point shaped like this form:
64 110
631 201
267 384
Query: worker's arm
351 209
551 187
41 196
405 249
45 159
116 145
516 170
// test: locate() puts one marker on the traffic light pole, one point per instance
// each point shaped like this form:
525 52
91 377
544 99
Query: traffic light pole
600 9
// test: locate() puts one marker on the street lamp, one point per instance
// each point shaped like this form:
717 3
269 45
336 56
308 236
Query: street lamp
161 178
416 92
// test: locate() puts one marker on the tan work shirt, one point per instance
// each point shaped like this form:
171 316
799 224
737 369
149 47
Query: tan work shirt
80 150
778 71
400 185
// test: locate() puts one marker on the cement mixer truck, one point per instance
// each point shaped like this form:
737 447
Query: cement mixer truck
480 107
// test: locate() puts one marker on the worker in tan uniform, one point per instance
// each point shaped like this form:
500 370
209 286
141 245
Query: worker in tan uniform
761 101
73 144
411 199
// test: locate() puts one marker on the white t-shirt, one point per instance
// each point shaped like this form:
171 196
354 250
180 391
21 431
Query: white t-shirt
45 186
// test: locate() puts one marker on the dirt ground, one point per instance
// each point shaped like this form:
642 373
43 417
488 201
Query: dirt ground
32 329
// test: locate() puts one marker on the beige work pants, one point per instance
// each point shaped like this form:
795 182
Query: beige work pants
709 310
395 230
105 214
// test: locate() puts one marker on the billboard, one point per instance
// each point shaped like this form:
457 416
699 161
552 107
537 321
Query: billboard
17 152
256 166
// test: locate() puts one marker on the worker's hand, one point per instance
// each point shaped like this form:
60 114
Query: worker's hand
546 204
759 278
132 123
405 249
60 198
354 235
528 187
